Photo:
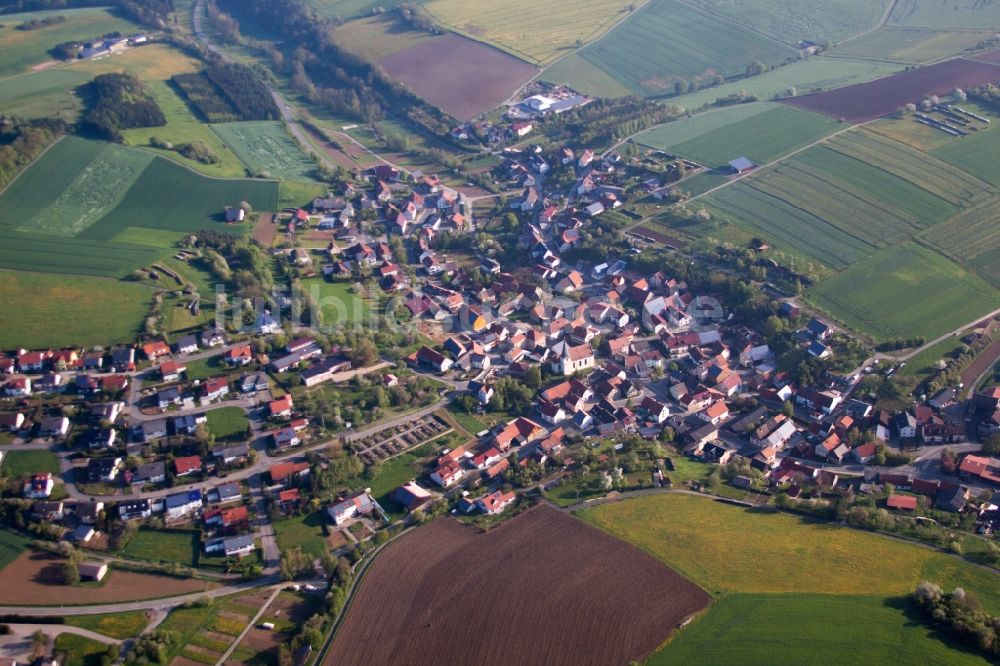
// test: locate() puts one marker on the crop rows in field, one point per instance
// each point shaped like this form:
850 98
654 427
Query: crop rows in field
536 31
266 149
923 208
976 153
35 252
792 20
667 42
790 225
928 173
853 211
971 233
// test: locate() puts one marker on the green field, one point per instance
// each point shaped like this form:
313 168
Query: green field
722 548
349 8
925 362
24 48
55 312
808 629
972 14
168 546
701 183
666 42
228 423
537 32
763 137
584 77
101 183
305 532
183 127
798 78
848 208
909 45
905 291
693 127
113 625
163 196
976 154
919 168
80 651
377 37
267 150
777 219
48 93
25 463
793 20
11 546
921 207
972 237
338 302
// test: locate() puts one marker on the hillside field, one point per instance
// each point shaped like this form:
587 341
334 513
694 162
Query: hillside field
763 137
538 32
905 291
666 42
795 629
267 150
54 311
972 14
793 20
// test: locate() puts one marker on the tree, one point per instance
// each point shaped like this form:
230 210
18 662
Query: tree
991 446
364 353
533 377
39 643
71 572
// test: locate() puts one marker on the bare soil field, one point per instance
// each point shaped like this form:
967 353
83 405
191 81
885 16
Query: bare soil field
867 101
992 57
543 587
36 578
184 661
461 76
981 364
265 229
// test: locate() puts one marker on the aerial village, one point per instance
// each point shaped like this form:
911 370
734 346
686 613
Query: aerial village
591 367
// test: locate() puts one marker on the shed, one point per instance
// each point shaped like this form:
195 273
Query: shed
93 570
742 165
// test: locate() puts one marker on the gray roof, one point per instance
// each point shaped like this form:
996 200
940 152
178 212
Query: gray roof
238 542
149 471
181 499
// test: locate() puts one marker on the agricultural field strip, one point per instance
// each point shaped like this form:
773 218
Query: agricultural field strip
266 148
971 233
792 226
665 42
96 190
964 14
853 211
908 46
527 30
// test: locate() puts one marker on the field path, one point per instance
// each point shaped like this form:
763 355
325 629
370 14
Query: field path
885 17
250 625
941 338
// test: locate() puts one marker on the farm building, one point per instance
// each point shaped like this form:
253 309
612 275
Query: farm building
93 570
741 165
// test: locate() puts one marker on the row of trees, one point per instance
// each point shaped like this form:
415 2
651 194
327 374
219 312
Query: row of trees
244 89
148 12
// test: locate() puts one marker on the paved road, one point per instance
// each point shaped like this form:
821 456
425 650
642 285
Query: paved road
156 604
263 528
53 630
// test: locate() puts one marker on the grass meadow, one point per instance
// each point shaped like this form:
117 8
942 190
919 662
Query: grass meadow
971 14
228 423
811 629
666 42
114 625
538 32
80 651
169 546
585 77
305 532
728 549
976 154
905 291
53 311
337 301
792 20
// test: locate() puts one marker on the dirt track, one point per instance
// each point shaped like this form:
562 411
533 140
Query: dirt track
542 588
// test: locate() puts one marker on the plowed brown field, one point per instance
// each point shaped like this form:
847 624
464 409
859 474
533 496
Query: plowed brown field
866 101
461 76
542 588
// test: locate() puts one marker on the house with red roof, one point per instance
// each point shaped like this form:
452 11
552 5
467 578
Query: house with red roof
185 465
156 349
282 407
495 502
